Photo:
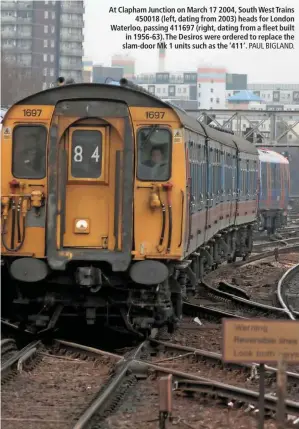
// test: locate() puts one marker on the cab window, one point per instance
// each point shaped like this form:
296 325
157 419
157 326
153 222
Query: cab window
154 154
29 152
86 154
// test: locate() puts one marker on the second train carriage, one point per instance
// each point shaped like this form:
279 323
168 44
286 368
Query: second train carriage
114 202
291 153
274 190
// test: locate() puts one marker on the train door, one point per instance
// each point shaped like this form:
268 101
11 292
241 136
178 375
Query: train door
234 183
275 186
286 184
87 191
228 190
211 202
90 183
241 192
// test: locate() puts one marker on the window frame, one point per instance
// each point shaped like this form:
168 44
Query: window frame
13 151
163 127
103 178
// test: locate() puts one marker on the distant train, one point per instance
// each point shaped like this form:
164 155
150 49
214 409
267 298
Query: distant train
114 203
274 190
292 154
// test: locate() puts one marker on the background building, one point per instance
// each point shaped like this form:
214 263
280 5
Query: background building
102 74
178 87
41 40
244 100
87 70
276 93
211 87
235 82
126 62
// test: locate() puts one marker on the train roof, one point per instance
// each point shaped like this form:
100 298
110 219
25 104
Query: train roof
134 96
266 155
230 140
93 91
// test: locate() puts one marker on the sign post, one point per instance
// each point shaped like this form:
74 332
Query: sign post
165 399
264 342
261 396
281 394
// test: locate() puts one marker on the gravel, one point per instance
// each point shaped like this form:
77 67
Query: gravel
141 410
53 394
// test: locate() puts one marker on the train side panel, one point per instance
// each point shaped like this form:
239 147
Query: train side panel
197 182
247 189
217 203
246 212
264 186
25 130
159 200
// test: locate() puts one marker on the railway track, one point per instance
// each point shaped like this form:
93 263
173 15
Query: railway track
271 245
188 381
288 292
282 234
84 386
8 349
230 301
81 384
209 361
44 391
138 366
241 306
90 384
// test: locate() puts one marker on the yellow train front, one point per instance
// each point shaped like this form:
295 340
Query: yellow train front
96 208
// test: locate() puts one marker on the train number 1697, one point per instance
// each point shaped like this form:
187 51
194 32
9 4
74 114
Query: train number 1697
32 112
154 115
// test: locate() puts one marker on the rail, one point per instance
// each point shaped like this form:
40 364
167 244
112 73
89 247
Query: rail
19 358
251 306
232 392
282 286
229 293
216 358
192 383
105 398
285 242
134 365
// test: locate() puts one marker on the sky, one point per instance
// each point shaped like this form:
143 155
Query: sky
262 66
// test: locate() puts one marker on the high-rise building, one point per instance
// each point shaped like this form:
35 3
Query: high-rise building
211 87
44 37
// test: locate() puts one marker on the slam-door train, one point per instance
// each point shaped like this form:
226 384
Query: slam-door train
115 203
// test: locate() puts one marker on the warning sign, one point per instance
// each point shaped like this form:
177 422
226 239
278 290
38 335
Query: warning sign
260 341
7 132
177 136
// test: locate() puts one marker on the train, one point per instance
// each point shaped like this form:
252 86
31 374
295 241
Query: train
115 204
273 191
291 153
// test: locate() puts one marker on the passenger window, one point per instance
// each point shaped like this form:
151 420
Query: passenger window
154 154
264 179
273 174
29 152
86 155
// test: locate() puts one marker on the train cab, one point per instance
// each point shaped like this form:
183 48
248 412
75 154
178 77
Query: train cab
274 190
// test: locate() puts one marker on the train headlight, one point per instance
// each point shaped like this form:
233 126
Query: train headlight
81 226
